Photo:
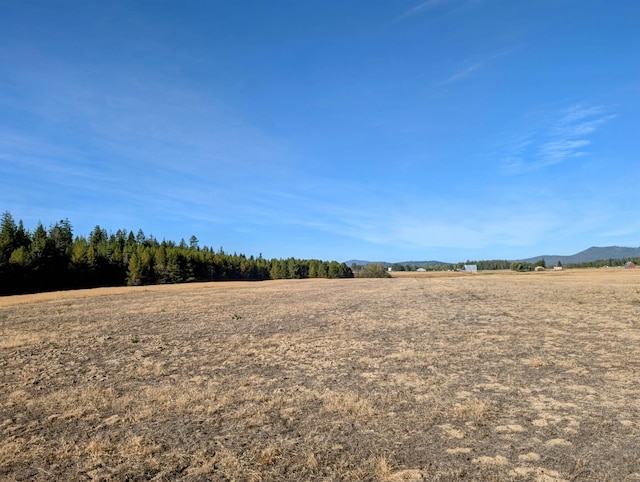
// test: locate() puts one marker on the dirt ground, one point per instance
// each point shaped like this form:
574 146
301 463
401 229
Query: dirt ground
493 376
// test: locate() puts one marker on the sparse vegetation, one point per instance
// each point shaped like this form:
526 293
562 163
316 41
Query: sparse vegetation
440 377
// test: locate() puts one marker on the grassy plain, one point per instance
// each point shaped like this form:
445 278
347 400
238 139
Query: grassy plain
493 376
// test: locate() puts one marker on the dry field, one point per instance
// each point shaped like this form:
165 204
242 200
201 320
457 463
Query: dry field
494 376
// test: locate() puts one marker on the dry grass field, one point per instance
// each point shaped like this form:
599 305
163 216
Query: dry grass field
494 376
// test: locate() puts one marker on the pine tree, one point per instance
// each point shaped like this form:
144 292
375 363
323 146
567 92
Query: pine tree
146 267
62 236
313 268
134 273
19 257
8 230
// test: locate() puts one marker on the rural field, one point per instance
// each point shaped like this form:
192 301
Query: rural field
437 377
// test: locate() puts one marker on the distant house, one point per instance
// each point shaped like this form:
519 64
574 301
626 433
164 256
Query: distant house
629 264
473 268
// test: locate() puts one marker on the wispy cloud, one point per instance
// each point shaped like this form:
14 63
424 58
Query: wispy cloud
414 222
471 66
427 5
581 120
465 72
421 7
565 138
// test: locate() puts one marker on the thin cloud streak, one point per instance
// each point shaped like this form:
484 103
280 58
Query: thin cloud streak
471 68
427 222
414 222
579 121
141 118
433 4
421 8
466 72
563 140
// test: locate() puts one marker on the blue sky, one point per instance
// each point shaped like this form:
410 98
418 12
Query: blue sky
380 130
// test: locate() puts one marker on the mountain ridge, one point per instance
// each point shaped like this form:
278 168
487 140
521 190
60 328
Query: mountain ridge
360 262
594 253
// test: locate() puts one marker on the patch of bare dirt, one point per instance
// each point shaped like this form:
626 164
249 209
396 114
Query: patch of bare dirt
504 376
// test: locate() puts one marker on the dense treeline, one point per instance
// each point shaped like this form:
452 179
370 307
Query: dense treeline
52 259
416 266
492 264
612 263
601 263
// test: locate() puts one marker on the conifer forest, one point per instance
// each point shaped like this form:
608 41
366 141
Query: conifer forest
53 258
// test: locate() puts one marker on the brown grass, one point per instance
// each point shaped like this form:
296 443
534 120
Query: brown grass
491 376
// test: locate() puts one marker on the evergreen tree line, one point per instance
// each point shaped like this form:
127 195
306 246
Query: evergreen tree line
416 266
53 259
491 264
601 263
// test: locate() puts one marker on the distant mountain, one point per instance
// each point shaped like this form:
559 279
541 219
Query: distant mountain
592 254
422 263
361 262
